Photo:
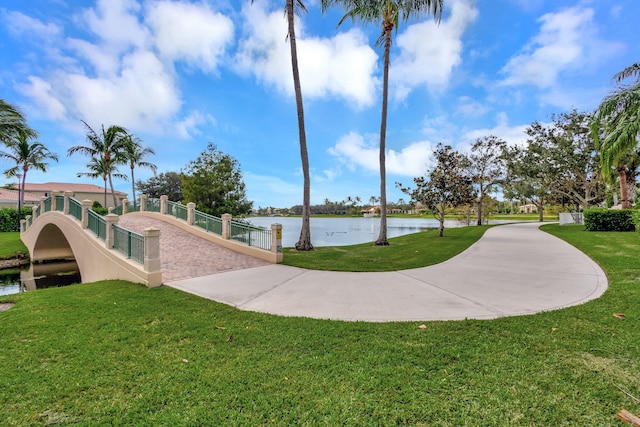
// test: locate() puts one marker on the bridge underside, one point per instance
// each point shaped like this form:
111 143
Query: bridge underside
51 244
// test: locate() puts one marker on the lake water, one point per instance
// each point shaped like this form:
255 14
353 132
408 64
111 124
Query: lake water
351 231
39 276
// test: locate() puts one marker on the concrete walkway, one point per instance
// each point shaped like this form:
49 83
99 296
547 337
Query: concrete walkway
512 270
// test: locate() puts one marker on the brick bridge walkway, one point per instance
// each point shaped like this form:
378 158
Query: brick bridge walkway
184 255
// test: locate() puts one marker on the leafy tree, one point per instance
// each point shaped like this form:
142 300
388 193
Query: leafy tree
166 183
26 155
107 146
448 184
388 13
487 168
616 126
98 168
12 122
214 182
134 153
569 156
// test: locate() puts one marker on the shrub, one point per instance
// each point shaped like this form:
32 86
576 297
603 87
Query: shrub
609 220
9 220
100 210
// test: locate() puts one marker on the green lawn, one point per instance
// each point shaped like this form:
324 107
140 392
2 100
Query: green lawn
11 245
115 353
404 252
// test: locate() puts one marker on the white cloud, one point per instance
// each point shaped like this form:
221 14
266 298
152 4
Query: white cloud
468 107
567 40
190 32
116 23
22 25
430 51
513 135
355 150
42 93
338 67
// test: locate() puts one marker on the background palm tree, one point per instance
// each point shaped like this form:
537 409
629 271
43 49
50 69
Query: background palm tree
26 156
134 153
108 146
616 126
12 122
389 13
304 242
98 168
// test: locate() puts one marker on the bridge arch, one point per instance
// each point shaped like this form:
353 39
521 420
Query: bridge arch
54 235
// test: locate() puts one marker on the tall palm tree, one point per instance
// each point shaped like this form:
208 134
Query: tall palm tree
12 122
26 155
304 242
616 127
109 146
134 153
99 168
389 13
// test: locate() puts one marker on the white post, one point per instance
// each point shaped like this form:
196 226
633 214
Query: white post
143 202
67 194
34 212
226 226
152 256
86 205
276 241
42 199
108 238
125 206
191 213
163 204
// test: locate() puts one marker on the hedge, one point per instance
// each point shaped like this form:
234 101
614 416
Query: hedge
609 220
9 219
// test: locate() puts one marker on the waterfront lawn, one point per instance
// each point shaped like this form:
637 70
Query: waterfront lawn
11 246
404 252
115 353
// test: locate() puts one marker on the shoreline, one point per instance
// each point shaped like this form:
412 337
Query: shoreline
13 263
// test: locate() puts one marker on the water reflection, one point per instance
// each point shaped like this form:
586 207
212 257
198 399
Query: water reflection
351 231
39 276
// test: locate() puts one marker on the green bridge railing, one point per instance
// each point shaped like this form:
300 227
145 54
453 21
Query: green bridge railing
128 243
97 224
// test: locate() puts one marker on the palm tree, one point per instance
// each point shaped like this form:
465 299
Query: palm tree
134 153
109 146
26 156
99 168
616 126
389 12
12 122
304 242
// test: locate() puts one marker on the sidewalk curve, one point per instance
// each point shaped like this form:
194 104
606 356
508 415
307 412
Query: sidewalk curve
512 270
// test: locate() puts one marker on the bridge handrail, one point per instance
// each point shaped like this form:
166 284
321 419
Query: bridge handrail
209 223
59 203
250 235
128 243
177 210
75 208
97 224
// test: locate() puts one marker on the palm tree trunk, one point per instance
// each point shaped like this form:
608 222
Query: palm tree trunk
24 179
113 192
105 192
382 237
304 242
624 193
133 189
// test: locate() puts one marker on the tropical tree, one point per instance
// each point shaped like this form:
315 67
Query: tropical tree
108 146
164 184
487 168
616 126
134 153
389 13
448 185
291 8
12 122
26 155
99 168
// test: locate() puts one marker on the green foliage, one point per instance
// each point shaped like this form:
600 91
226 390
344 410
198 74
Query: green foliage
214 183
164 184
96 204
9 218
10 245
100 210
599 219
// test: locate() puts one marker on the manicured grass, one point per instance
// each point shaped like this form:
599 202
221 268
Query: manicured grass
404 252
115 353
11 245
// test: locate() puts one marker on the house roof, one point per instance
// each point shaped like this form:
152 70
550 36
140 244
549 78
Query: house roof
65 186
12 196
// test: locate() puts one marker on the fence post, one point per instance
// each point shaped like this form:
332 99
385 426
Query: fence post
110 219
152 256
163 204
276 241
125 206
191 213
23 223
143 202
34 212
65 208
42 199
86 205
226 226
53 199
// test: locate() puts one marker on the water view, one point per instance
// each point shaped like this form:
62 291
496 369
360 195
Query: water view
39 276
351 231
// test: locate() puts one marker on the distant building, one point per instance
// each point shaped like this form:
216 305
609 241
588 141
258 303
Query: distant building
80 192
528 208
9 199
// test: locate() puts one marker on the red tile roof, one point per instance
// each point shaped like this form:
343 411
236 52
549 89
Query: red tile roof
64 186
12 196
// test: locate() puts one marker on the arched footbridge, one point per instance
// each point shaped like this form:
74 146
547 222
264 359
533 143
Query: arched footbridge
157 242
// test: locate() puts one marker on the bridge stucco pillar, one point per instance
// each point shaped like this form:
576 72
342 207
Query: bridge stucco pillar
86 205
42 199
152 256
34 212
276 241
226 226
67 195
125 206
191 213
54 202
108 238
143 202
163 204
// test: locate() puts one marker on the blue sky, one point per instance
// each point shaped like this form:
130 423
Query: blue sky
180 74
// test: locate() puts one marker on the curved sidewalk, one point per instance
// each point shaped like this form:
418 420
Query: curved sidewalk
512 270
